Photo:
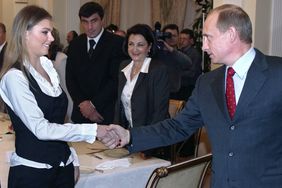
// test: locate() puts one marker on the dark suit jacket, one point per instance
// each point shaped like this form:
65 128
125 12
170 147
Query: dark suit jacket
95 78
247 151
176 63
2 55
150 98
190 75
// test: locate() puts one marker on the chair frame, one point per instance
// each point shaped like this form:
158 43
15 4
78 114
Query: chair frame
165 171
179 105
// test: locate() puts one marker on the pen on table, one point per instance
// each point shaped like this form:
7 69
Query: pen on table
96 156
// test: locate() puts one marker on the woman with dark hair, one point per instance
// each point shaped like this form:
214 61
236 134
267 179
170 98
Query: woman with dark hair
143 91
37 107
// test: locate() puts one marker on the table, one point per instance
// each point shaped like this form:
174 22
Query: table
136 175
6 146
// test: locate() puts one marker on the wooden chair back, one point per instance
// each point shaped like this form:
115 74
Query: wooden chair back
185 174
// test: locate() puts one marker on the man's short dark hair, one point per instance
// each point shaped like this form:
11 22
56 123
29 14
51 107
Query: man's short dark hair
90 8
188 32
171 26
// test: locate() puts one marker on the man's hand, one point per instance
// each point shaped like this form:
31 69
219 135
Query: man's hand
89 111
123 134
166 45
108 137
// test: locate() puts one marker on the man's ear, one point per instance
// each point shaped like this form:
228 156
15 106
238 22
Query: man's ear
233 34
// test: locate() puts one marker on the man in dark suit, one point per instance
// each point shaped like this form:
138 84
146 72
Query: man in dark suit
246 139
189 76
92 71
3 43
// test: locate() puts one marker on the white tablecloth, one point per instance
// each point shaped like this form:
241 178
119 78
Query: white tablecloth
134 176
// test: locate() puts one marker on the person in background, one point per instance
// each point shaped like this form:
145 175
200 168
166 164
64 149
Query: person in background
173 29
3 44
189 76
70 36
143 91
112 28
37 107
240 105
59 59
92 72
120 32
178 64
175 60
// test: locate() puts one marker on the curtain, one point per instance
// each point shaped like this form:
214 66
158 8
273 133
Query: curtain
112 11
169 11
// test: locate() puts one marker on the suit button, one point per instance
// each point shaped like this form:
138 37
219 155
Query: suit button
230 154
232 127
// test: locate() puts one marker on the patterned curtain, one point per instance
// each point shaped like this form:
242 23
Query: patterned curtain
169 11
112 11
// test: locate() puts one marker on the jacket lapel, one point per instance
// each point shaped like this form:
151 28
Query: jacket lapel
100 46
218 90
139 81
254 82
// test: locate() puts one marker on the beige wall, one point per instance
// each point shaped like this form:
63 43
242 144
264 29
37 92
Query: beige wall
265 16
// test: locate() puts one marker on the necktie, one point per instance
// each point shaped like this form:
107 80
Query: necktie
91 50
230 92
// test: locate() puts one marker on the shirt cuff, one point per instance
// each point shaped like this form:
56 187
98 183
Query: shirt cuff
91 131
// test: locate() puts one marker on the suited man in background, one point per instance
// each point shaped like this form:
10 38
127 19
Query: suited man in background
92 71
175 60
189 76
246 139
70 36
3 43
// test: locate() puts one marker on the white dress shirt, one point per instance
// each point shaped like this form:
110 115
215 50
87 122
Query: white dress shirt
14 90
96 39
129 87
241 67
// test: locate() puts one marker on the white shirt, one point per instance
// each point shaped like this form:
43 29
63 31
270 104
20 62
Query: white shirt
96 39
14 90
241 67
129 87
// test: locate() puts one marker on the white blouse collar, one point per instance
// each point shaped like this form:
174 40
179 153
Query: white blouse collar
45 86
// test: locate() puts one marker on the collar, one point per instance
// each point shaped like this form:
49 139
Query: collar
144 68
242 65
97 38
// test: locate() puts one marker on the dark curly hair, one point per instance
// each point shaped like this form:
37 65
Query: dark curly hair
144 30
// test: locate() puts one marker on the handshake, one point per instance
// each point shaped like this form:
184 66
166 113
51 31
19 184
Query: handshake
113 136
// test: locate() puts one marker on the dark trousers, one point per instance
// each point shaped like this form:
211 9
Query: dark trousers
28 177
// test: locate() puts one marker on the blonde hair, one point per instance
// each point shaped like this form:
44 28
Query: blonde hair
16 51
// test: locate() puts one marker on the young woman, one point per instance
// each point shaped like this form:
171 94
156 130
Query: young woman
37 106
